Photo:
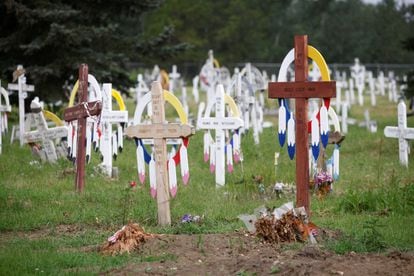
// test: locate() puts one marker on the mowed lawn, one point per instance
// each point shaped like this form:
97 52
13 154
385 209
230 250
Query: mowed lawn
45 226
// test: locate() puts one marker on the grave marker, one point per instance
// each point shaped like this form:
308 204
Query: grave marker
4 108
402 132
109 143
219 123
302 90
159 130
43 133
22 88
80 113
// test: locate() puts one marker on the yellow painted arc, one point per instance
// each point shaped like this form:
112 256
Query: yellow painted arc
165 79
118 98
232 104
175 102
216 63
53 117
73 93
115 94
320 61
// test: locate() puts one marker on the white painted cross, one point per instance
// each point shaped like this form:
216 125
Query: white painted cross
22 89
43 133
195 89
141 88
109 117
220 123
159 130
174 76
402 132
371 125
3 116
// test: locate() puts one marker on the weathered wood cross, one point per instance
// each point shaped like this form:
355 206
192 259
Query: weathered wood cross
81 112
301 90
160 131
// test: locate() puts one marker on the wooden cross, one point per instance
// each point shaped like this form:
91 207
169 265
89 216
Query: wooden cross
302 90
43 133
160 130
22 89
402 132
81 112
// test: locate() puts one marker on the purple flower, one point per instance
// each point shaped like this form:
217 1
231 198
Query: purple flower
322 177
187 218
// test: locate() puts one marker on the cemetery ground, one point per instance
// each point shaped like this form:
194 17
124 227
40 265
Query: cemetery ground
366 223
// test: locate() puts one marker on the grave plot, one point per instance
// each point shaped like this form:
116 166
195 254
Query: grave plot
221 150
43 138
297 126
22 89
402 132
4 109
162 170
80 131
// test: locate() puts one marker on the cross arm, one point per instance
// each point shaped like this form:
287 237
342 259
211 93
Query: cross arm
157 130
82 111
304 89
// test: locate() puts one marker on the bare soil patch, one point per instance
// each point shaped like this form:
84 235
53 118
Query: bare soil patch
242 254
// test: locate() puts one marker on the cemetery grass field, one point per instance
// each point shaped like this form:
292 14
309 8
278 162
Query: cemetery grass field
45 226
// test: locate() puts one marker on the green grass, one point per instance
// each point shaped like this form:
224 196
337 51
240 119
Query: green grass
372 203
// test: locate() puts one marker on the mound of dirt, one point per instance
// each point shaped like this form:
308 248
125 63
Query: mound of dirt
128 239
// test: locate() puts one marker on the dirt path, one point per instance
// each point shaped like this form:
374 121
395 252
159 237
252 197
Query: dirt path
238 254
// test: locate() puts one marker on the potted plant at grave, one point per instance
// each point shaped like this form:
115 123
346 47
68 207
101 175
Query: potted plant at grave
322 184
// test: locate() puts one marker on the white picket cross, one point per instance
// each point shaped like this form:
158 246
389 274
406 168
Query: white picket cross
22 88
43 133
108 140
174 76
219 123
402 132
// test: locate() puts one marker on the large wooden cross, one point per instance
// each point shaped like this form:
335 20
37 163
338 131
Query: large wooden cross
301 90
80 113
160 130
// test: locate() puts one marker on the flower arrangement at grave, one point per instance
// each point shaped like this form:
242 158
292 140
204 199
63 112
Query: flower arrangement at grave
322 183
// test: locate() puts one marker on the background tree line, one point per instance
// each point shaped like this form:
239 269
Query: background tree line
51 38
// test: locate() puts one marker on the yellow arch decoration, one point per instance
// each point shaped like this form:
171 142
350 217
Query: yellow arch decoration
320 61
216 63
175 102
53 117
115 94
232 104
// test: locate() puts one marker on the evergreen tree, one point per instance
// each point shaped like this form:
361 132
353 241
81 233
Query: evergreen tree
52 38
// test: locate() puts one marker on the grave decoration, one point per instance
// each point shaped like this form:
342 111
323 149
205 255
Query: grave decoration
80 113
4 109
298 127
45 135
402 132
22 88
217 150
162 171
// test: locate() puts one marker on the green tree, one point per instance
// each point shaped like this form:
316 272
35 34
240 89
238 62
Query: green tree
51 39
